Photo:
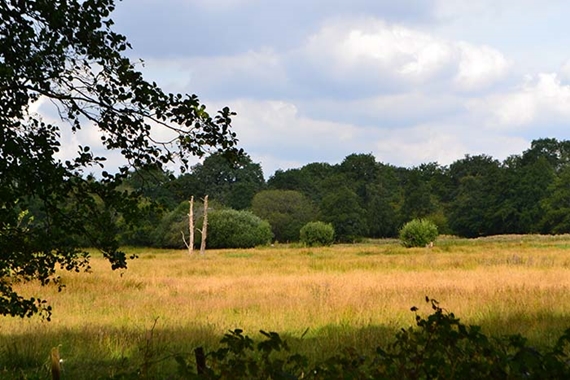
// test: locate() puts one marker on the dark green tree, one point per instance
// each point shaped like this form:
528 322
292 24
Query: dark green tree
287 211
184 186
520 191
469 215
556 153
479 165
382 197
556 204
153 183
65 51
359 171
418 201
232 183
381 216
291 179
342 209
308 180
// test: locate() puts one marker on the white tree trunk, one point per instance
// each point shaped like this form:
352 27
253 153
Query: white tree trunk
204 227
190 243
191 226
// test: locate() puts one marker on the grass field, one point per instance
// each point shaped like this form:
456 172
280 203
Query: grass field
168 302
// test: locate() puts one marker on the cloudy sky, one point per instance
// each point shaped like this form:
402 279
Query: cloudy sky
410 81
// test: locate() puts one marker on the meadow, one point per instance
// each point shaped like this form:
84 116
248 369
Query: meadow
108 323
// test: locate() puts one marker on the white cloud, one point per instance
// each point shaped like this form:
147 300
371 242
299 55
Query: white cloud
443 143
365 50
373 48
386 111
479 66
564 70
541 99
275 133
246 74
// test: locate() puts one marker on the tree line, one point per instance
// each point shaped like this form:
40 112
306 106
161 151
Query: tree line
363 198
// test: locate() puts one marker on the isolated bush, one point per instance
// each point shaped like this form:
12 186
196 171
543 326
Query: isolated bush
418 233
236 229
317 234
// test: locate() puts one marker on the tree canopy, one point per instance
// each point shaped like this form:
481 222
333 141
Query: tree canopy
287 211
65 51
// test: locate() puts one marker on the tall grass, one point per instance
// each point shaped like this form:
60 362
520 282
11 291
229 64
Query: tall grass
353 295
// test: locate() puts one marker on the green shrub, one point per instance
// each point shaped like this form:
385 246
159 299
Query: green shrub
440 346
317 234
418 233
236 229
167 233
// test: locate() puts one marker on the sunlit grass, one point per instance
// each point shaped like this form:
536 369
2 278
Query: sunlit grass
352 295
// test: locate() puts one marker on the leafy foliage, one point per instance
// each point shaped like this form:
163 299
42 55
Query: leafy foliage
557 204
168 232
341 207
438 347
474 196
418 233
236 229
287 211
232 183
315 234
65 51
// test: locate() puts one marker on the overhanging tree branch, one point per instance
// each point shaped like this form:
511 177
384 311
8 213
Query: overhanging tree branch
66 51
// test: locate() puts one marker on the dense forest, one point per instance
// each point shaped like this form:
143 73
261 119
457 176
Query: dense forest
362 198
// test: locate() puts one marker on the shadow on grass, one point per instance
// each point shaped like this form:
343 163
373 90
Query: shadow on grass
109 353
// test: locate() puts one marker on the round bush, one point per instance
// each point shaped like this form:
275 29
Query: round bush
316 234
418 233
236 229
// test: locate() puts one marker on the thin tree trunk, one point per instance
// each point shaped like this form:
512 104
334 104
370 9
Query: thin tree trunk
190 243
204 227
191 226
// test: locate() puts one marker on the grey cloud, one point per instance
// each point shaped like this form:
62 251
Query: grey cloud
178 28
391 111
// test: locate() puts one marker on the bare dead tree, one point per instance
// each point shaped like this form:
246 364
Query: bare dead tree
204 227
190 243
191 225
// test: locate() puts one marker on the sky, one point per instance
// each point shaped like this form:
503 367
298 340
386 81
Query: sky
408 81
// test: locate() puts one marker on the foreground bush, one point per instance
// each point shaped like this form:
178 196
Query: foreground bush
236 229
315 234
439 347
418 233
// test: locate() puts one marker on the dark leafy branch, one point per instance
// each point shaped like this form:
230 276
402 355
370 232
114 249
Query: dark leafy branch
65 51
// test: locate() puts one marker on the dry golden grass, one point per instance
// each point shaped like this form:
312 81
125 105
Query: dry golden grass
344 295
